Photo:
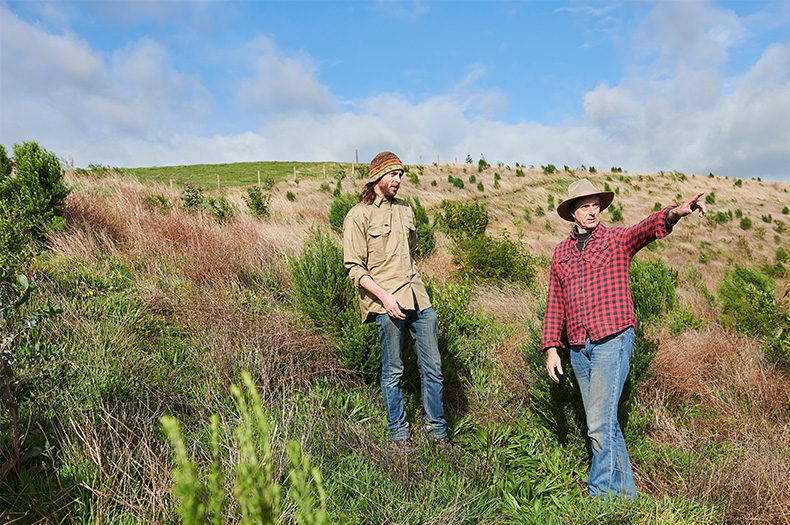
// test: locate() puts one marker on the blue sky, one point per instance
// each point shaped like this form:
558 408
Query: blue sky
696 86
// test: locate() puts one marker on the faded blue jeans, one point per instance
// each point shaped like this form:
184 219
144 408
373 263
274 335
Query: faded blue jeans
424 329
601 369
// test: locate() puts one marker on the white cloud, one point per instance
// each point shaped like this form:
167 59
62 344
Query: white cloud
281 83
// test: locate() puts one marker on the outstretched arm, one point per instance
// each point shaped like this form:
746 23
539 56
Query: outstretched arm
687 208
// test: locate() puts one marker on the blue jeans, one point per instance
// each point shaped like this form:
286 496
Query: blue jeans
424 329
601 369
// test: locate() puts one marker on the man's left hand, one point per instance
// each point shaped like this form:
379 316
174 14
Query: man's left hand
687 208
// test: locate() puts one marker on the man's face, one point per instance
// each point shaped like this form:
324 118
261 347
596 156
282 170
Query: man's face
587 213
388 185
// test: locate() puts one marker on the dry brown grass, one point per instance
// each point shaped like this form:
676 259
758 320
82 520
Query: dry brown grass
115 220
740 404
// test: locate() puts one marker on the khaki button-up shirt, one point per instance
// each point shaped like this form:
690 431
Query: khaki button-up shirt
379 240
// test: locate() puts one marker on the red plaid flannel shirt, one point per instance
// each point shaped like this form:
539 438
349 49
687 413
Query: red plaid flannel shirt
591 290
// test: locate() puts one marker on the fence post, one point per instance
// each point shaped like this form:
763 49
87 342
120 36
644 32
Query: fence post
171 184
259 178
217 181
324 170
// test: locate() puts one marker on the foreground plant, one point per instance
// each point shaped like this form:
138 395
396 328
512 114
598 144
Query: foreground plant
257 495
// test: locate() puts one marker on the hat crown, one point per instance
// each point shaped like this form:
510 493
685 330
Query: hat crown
581 188
382 164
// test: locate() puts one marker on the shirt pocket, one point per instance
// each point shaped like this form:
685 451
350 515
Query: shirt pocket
378 239
599 254
411 232
566 268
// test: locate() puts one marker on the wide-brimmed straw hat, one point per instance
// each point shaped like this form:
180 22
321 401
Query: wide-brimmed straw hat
577 190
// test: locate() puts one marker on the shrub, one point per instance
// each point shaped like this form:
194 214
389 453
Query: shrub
539 212
257 494
192 197
606 187
472 179
749 304
746 223
480 186
414 178
738 214
220 208
781 255
455 181
767 218
593 170
720 217
785 210
259 203
683 319
496 185
520 173
617 214
738 183
547 225
710 198
652 289
460 220
29 198
482 164
320 282
325 187
426 242
434 183
158 203
488 257
548 169
497 176
657 206
339 208
290 196
551 202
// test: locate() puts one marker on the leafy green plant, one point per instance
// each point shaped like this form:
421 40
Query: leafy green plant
480 186
520 173
710 198
683 319
657 206
472 179
259 203
339 208
500 257
456 181
256 493
652 289
158 203
22 343
320 282
482 164
192 197
617 213
738 214
460 220
497 176
749 302
551 206
539 211
29 199
738 183
767 218
785 210
746 223
426 242
220 208
781 255
548 169
290 196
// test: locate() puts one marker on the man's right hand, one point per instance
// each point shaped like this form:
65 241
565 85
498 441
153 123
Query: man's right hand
393 306
554 364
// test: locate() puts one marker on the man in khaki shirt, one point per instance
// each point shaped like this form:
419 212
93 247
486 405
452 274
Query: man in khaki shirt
379 241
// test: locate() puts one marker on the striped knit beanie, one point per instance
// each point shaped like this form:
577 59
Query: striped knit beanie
382 164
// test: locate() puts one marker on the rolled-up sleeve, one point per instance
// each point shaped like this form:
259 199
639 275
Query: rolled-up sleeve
355 248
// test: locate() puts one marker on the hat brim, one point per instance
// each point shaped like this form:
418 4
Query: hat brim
564 211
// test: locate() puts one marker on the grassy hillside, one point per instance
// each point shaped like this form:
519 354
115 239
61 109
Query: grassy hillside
163 308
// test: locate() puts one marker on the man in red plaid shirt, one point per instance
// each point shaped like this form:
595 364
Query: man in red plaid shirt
590 294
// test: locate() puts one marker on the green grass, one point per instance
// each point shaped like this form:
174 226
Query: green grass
240 173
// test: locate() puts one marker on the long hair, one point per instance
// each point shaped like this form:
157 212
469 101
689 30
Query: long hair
368 195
